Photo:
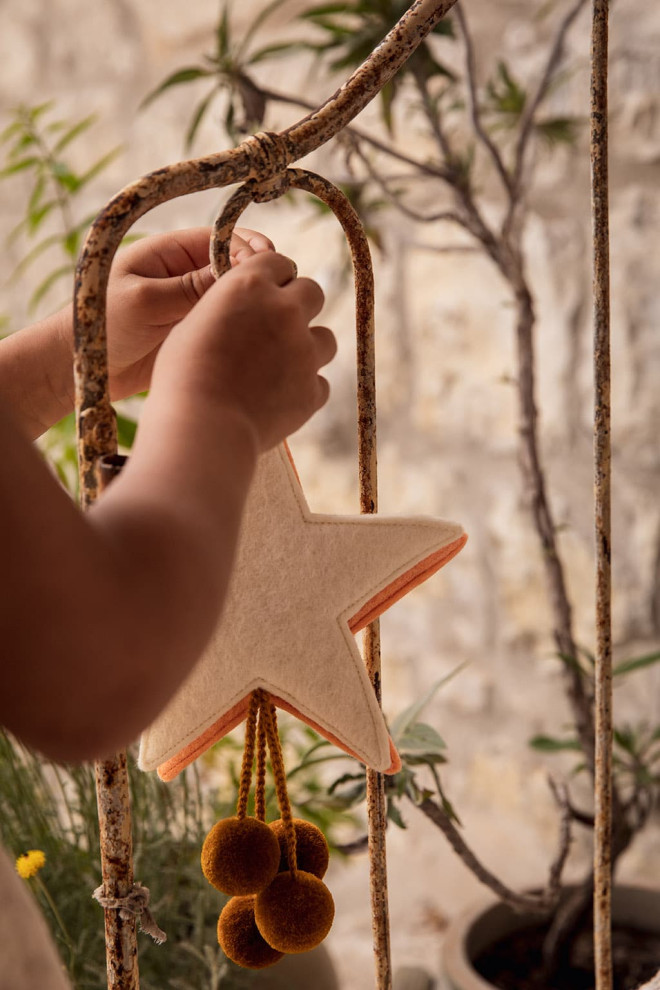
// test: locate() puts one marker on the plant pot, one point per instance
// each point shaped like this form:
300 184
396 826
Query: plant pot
487 923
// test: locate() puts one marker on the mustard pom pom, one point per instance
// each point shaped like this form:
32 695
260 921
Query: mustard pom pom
294 914
240 939
312 853
240 856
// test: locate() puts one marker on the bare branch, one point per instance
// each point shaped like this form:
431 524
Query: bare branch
532 105
560 792
542 903
383 184
475 115
351 848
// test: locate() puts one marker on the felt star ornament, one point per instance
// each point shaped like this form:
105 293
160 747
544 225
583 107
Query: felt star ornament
303 584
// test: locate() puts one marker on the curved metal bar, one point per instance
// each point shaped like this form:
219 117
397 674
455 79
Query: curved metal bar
315 184
258 157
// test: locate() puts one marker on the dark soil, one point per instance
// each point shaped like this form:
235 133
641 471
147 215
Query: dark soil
515 963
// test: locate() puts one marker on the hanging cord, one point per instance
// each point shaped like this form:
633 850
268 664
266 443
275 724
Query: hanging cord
134 904
260 786
248 756
279 773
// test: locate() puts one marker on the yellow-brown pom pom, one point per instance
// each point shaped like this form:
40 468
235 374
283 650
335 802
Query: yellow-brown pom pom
240 855
240 939
294 913
312 853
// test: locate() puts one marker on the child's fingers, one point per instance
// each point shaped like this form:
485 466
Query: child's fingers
167 255
325 345
246 242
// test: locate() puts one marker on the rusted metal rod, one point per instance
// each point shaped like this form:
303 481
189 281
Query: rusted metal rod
602 485
114 809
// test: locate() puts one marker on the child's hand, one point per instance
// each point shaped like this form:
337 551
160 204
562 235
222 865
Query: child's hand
154 283
248 347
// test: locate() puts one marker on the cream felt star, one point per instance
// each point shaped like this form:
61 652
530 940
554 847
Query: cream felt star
302 585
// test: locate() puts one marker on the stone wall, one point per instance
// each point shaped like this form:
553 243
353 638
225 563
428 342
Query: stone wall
448 434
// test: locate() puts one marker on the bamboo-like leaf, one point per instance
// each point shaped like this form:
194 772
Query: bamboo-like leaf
278 50
18 166
636 663
176 79
394 815
47 284
552 744
421 738
409 715
73 132
324 9
258 21
197 118
36 217
99 166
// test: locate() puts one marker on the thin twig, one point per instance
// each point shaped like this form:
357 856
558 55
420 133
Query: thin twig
542 903
581 817
383 184
532 105
475 115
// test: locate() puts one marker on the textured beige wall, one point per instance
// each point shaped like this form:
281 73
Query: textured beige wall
447 408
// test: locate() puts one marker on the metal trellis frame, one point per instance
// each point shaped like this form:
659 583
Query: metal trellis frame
263 162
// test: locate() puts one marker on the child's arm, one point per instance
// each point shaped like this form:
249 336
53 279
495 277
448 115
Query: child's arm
104 615
154 283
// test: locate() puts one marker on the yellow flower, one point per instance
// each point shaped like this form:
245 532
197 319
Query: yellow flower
29 864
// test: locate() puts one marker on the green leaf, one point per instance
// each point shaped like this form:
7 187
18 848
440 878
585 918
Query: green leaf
32 255
626 739
99 166
197 118
39 110
36 217
409 715
551 744
65 177
260 19
274 51
176 79
15 127
48 283
126 430
222 35
72 133
637 663
421 738
323 9
36 194
394 815
18 166
423 759
71 242
558 130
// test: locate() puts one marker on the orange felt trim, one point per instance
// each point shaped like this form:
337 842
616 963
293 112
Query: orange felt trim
219 729
395 760
172 767
403 584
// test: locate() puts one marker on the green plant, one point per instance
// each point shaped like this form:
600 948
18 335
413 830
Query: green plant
38 146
